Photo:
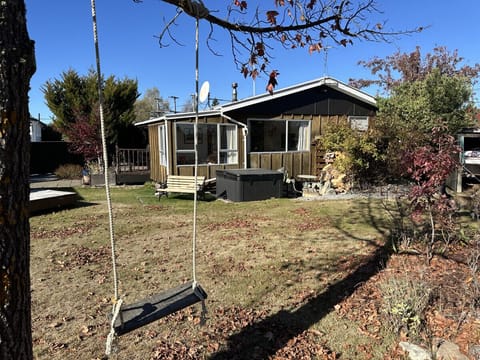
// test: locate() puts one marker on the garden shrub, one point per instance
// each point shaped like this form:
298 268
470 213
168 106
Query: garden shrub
428 166
405 301
473 285
359 156
69 171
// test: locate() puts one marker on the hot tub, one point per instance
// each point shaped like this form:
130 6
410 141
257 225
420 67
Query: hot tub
249 184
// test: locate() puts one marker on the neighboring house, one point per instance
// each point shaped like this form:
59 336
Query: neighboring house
264 131
36 127
469 142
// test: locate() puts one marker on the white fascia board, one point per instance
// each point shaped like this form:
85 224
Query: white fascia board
360 95
150 121
192 114
178 116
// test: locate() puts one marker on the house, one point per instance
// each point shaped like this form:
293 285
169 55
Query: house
263 131
469 157
469 170
36 127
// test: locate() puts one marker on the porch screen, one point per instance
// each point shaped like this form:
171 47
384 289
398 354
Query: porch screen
217 144
279 135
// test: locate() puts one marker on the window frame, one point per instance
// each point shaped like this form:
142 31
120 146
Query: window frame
286 146
228 151
219 150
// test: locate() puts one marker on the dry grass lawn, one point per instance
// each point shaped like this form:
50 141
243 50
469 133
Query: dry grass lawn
274 272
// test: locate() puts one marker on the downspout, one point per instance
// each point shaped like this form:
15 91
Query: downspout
244 133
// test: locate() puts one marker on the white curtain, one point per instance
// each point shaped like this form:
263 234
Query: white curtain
302 136
162 146
231 133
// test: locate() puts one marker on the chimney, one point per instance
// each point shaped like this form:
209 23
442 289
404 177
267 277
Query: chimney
234 91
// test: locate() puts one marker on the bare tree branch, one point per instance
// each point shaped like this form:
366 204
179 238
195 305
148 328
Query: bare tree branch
166 30
311 24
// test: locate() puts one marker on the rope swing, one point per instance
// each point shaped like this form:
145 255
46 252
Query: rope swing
125 318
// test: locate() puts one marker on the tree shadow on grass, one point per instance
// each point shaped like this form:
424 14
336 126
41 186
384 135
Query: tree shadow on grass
252 342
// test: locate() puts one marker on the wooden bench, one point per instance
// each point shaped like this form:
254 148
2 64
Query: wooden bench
183 185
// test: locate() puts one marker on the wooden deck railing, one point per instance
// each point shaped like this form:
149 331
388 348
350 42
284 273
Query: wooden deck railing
132 160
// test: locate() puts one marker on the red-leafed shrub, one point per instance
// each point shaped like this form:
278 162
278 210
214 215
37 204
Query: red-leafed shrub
429 166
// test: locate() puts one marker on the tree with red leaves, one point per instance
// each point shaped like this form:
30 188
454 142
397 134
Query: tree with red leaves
422 92
401 68
429 166
85 138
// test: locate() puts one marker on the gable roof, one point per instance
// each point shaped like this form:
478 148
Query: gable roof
280 93
37 121
324 81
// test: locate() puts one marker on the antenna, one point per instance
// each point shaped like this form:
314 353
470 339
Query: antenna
325 60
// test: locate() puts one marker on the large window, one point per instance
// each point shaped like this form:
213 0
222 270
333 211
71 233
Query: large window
279 135
217 144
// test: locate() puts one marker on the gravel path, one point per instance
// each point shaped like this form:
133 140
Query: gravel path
381 192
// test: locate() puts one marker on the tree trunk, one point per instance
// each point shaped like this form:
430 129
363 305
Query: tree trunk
17 66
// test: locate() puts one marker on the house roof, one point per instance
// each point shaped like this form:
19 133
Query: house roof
179 116
324 81
257 99
34 120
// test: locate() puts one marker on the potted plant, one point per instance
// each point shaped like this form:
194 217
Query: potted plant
85 176
97 176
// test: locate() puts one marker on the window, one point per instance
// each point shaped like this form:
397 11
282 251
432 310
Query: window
162 146
297 135
185 144
359 123
279 135
209 138
228 144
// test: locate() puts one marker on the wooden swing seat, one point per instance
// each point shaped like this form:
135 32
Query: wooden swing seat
150 309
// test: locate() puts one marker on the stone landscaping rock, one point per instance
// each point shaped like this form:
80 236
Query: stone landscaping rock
415 352
449 351
446 350
474 352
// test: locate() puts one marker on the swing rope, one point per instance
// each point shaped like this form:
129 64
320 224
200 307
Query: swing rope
104 150
194 237
117 303
195 288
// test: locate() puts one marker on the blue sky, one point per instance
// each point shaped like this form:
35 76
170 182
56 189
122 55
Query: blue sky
62 31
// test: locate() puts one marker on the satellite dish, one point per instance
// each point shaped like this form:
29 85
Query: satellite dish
204 91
